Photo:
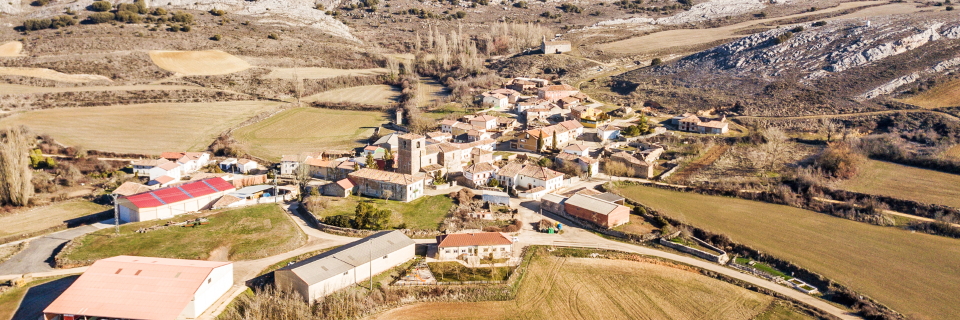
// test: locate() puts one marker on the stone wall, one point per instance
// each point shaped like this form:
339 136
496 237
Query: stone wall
720 258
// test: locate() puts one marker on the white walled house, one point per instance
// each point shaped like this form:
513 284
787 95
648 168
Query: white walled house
228 164
347 265
168 202
480 244
479 174
170 169
535 176
246 165
130 287
142 167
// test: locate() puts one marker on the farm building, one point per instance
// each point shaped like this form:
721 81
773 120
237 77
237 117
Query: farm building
604 213
128 287
171 169
480 244
496 197
190 162
167 202
374 183
552 202
608 132
694 123
587 164
556 92
130 188
344 266
252 195
342 188
142 167
555 46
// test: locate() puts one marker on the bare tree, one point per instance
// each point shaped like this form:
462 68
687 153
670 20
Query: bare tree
302 175
16 186
830 128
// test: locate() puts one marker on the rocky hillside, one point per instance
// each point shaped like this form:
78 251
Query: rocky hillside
843 66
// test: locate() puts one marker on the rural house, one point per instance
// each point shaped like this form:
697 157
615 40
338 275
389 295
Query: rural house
323 274
601 212
142 167
556 92
578 149
129 287
555 46
694 123
480 245
608 132
342 189
587 164
379 184
566 132
290 163
190 162
170 171
640 168
531 177
479 174
168 202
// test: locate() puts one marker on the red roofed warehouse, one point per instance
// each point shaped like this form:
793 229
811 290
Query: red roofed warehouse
127 287
602 212
167 202
480 244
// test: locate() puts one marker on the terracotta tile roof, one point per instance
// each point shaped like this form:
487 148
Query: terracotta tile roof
131 188
245 161
194 155
713 124
437 134
169 166
385 176
539 173
346 184
317 162
505 120
480 167
410 136
134 288
372 148
448 147
150 162
505 91
473 239
484 118
164 179
608 128
559 87
225 201
478 151
570 124
449 122
172 155
577 147
432 149
431 167
510 170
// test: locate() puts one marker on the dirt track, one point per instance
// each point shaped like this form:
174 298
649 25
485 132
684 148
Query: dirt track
198 63
11 49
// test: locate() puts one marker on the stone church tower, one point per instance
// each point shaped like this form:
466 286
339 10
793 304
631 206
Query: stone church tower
411 151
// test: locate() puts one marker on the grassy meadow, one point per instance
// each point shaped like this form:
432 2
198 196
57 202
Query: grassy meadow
40 218
581 288
913 273
377 95
240 234
940 96
142 128
423 213
906 182
308 129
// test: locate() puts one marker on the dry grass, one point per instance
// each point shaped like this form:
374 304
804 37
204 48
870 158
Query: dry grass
142 128
685 38
913 273
941 96
51 75
20 89
11 49
579 288
10 300
954 152
308 129
905 182
637 225
198 63
321 73
378 95
46 217
430 91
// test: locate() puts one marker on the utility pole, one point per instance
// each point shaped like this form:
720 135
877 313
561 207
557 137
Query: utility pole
275 192
116 215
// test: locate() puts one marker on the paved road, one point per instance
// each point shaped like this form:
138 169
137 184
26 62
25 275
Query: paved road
38 256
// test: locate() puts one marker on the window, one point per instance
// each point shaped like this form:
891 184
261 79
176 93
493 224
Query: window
385 256
346 273
209 280
503 249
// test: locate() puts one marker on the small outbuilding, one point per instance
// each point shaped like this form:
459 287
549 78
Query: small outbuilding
601 212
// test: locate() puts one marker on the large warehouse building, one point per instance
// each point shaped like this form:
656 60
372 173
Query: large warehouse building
167 202
336 269
128 287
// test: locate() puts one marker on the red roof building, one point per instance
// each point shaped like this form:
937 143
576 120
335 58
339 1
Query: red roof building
128 287
482 244
167 202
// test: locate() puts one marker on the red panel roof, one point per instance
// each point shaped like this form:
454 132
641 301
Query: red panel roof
159 197
134 288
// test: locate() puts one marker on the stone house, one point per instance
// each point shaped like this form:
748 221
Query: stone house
479 174
556 92
375 183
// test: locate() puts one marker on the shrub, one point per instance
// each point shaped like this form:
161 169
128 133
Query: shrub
783 37
137 8
482 2
570 8
273 36
949 8
819 23
460 15
216 37
520 4
217 12
656 62
797 29
159 12
101 6
185 28
127 16
39 3
343 221
182 17
839 160
100 17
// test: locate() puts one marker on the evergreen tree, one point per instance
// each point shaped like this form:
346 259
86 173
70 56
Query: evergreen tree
371 163
540 142
555 144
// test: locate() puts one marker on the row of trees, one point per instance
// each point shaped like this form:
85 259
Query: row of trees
366 217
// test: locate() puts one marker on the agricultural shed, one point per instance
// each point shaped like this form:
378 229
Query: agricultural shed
352 263
128 287
167 202
552 202
596 210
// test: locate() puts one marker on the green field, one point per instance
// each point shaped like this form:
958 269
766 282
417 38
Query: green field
582 288
424 213
906 182
301 130
456 272
377 95
10 299
40 218
913 273
240 234
141 128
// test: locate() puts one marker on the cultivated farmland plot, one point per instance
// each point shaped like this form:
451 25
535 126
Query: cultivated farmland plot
142 128
321 73
906 182
941 96
377 95
40 218
913 273
580 288
198 63
308 129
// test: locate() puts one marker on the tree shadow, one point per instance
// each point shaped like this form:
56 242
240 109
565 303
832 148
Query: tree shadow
39 297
